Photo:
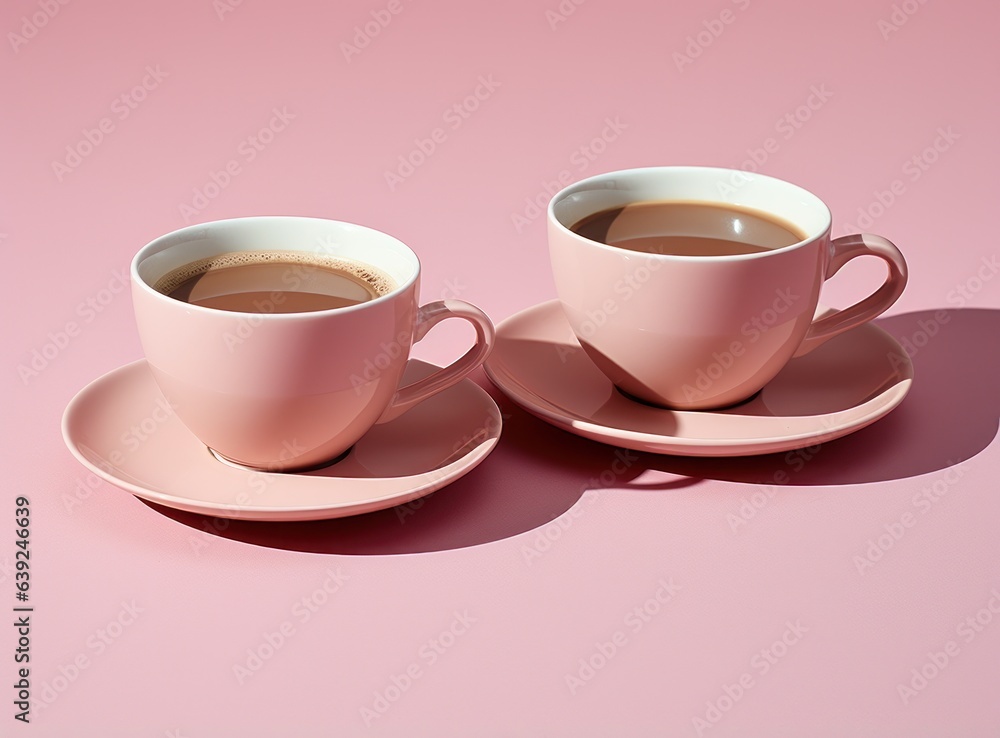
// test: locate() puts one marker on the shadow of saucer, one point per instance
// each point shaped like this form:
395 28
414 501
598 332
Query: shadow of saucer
951 413
535 474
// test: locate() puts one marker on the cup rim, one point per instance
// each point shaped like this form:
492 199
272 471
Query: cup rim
147 249
747 176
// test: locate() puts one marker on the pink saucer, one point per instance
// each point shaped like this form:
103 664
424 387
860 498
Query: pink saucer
846 384
118 427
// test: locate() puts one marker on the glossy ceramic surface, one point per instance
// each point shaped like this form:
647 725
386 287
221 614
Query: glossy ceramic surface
697 332
122 429
850 382
290 390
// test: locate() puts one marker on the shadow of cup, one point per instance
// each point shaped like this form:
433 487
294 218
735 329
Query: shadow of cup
951 413
537 472
534 475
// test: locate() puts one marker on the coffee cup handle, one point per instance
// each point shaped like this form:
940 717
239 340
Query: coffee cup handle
842 250
427 317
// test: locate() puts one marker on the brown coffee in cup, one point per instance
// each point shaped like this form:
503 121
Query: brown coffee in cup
688 228
274 282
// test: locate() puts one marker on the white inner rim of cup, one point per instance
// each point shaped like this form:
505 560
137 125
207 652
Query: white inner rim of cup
789 202
330 238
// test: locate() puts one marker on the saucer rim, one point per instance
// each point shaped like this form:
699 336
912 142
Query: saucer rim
691 446
455 470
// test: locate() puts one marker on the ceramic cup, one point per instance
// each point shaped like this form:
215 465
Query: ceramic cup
291 391
701 332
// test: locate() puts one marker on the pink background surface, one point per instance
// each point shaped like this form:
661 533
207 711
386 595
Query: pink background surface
548 566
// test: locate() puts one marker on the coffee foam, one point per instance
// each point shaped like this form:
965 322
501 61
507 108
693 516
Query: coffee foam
378 280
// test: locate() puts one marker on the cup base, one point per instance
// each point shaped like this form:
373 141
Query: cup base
713 408
274 469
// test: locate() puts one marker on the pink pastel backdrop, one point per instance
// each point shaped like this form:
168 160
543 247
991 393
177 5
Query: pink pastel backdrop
547 566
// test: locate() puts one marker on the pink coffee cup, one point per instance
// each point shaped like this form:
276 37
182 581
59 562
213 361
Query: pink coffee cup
294 390
701 332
